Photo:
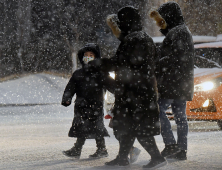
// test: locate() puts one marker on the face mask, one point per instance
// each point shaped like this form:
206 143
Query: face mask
87 59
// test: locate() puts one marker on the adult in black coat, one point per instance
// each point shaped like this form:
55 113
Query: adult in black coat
136 112
175 75
89 87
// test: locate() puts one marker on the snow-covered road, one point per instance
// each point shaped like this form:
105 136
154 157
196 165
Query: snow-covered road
33 138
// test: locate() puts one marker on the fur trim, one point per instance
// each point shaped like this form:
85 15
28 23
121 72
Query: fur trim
160 22
111 21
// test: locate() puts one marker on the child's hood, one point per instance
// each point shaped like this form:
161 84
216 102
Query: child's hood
89 47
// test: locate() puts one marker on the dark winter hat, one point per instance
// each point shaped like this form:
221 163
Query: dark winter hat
171 13
129 19
89 47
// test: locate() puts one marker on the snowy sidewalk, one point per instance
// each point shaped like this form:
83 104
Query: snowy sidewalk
34 138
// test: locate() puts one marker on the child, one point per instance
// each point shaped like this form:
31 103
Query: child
89 86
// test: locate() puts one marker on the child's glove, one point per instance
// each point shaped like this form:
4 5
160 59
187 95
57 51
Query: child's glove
66 103
66 100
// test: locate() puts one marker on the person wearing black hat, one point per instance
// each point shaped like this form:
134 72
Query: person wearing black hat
89 87
136 113
175 76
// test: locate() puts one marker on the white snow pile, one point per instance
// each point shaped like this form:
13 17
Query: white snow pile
214 72
33 89
196 39
48 89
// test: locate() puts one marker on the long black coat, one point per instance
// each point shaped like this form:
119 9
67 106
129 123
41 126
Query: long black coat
176 65
136 110
89 87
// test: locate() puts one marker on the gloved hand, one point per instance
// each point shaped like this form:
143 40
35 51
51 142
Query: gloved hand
93 65
66 99
66 103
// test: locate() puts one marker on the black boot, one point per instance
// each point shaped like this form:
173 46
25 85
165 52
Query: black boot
118 162
113 162
73 152
170 150
149 144
156 163
100 153
182 155
126 143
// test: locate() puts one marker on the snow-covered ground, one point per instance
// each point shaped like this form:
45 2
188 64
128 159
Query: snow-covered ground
32 89
34 136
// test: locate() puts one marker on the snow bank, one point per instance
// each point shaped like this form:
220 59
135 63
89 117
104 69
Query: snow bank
48 89
209 45
33 89
196 39
207 71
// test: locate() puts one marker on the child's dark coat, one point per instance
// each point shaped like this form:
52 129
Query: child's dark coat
89 87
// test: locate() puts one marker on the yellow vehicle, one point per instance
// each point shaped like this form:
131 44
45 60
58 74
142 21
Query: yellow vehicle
206 103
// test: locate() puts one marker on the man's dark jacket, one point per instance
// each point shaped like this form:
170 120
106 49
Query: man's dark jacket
176 64
136 111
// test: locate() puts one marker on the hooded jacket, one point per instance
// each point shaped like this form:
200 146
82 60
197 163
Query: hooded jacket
176 64
136 110
89 87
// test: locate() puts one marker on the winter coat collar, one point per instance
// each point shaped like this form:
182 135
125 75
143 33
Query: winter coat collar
167 30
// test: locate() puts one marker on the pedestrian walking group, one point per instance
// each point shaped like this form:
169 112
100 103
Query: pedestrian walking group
146 83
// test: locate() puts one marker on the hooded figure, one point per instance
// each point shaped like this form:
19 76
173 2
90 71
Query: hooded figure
89 87
136 112
176 64
175 76
136 88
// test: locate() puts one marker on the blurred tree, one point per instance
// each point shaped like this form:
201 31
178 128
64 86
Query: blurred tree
9 60
45 35
203 17
49 50
85 21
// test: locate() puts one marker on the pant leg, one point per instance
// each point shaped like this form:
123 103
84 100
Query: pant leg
149 144
79 143
179 110
125 144
166 130
100 143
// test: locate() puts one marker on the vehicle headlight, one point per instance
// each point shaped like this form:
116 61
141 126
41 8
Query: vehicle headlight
206 103
209 85
112 74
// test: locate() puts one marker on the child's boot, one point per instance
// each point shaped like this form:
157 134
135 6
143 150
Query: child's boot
74 152
100 153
